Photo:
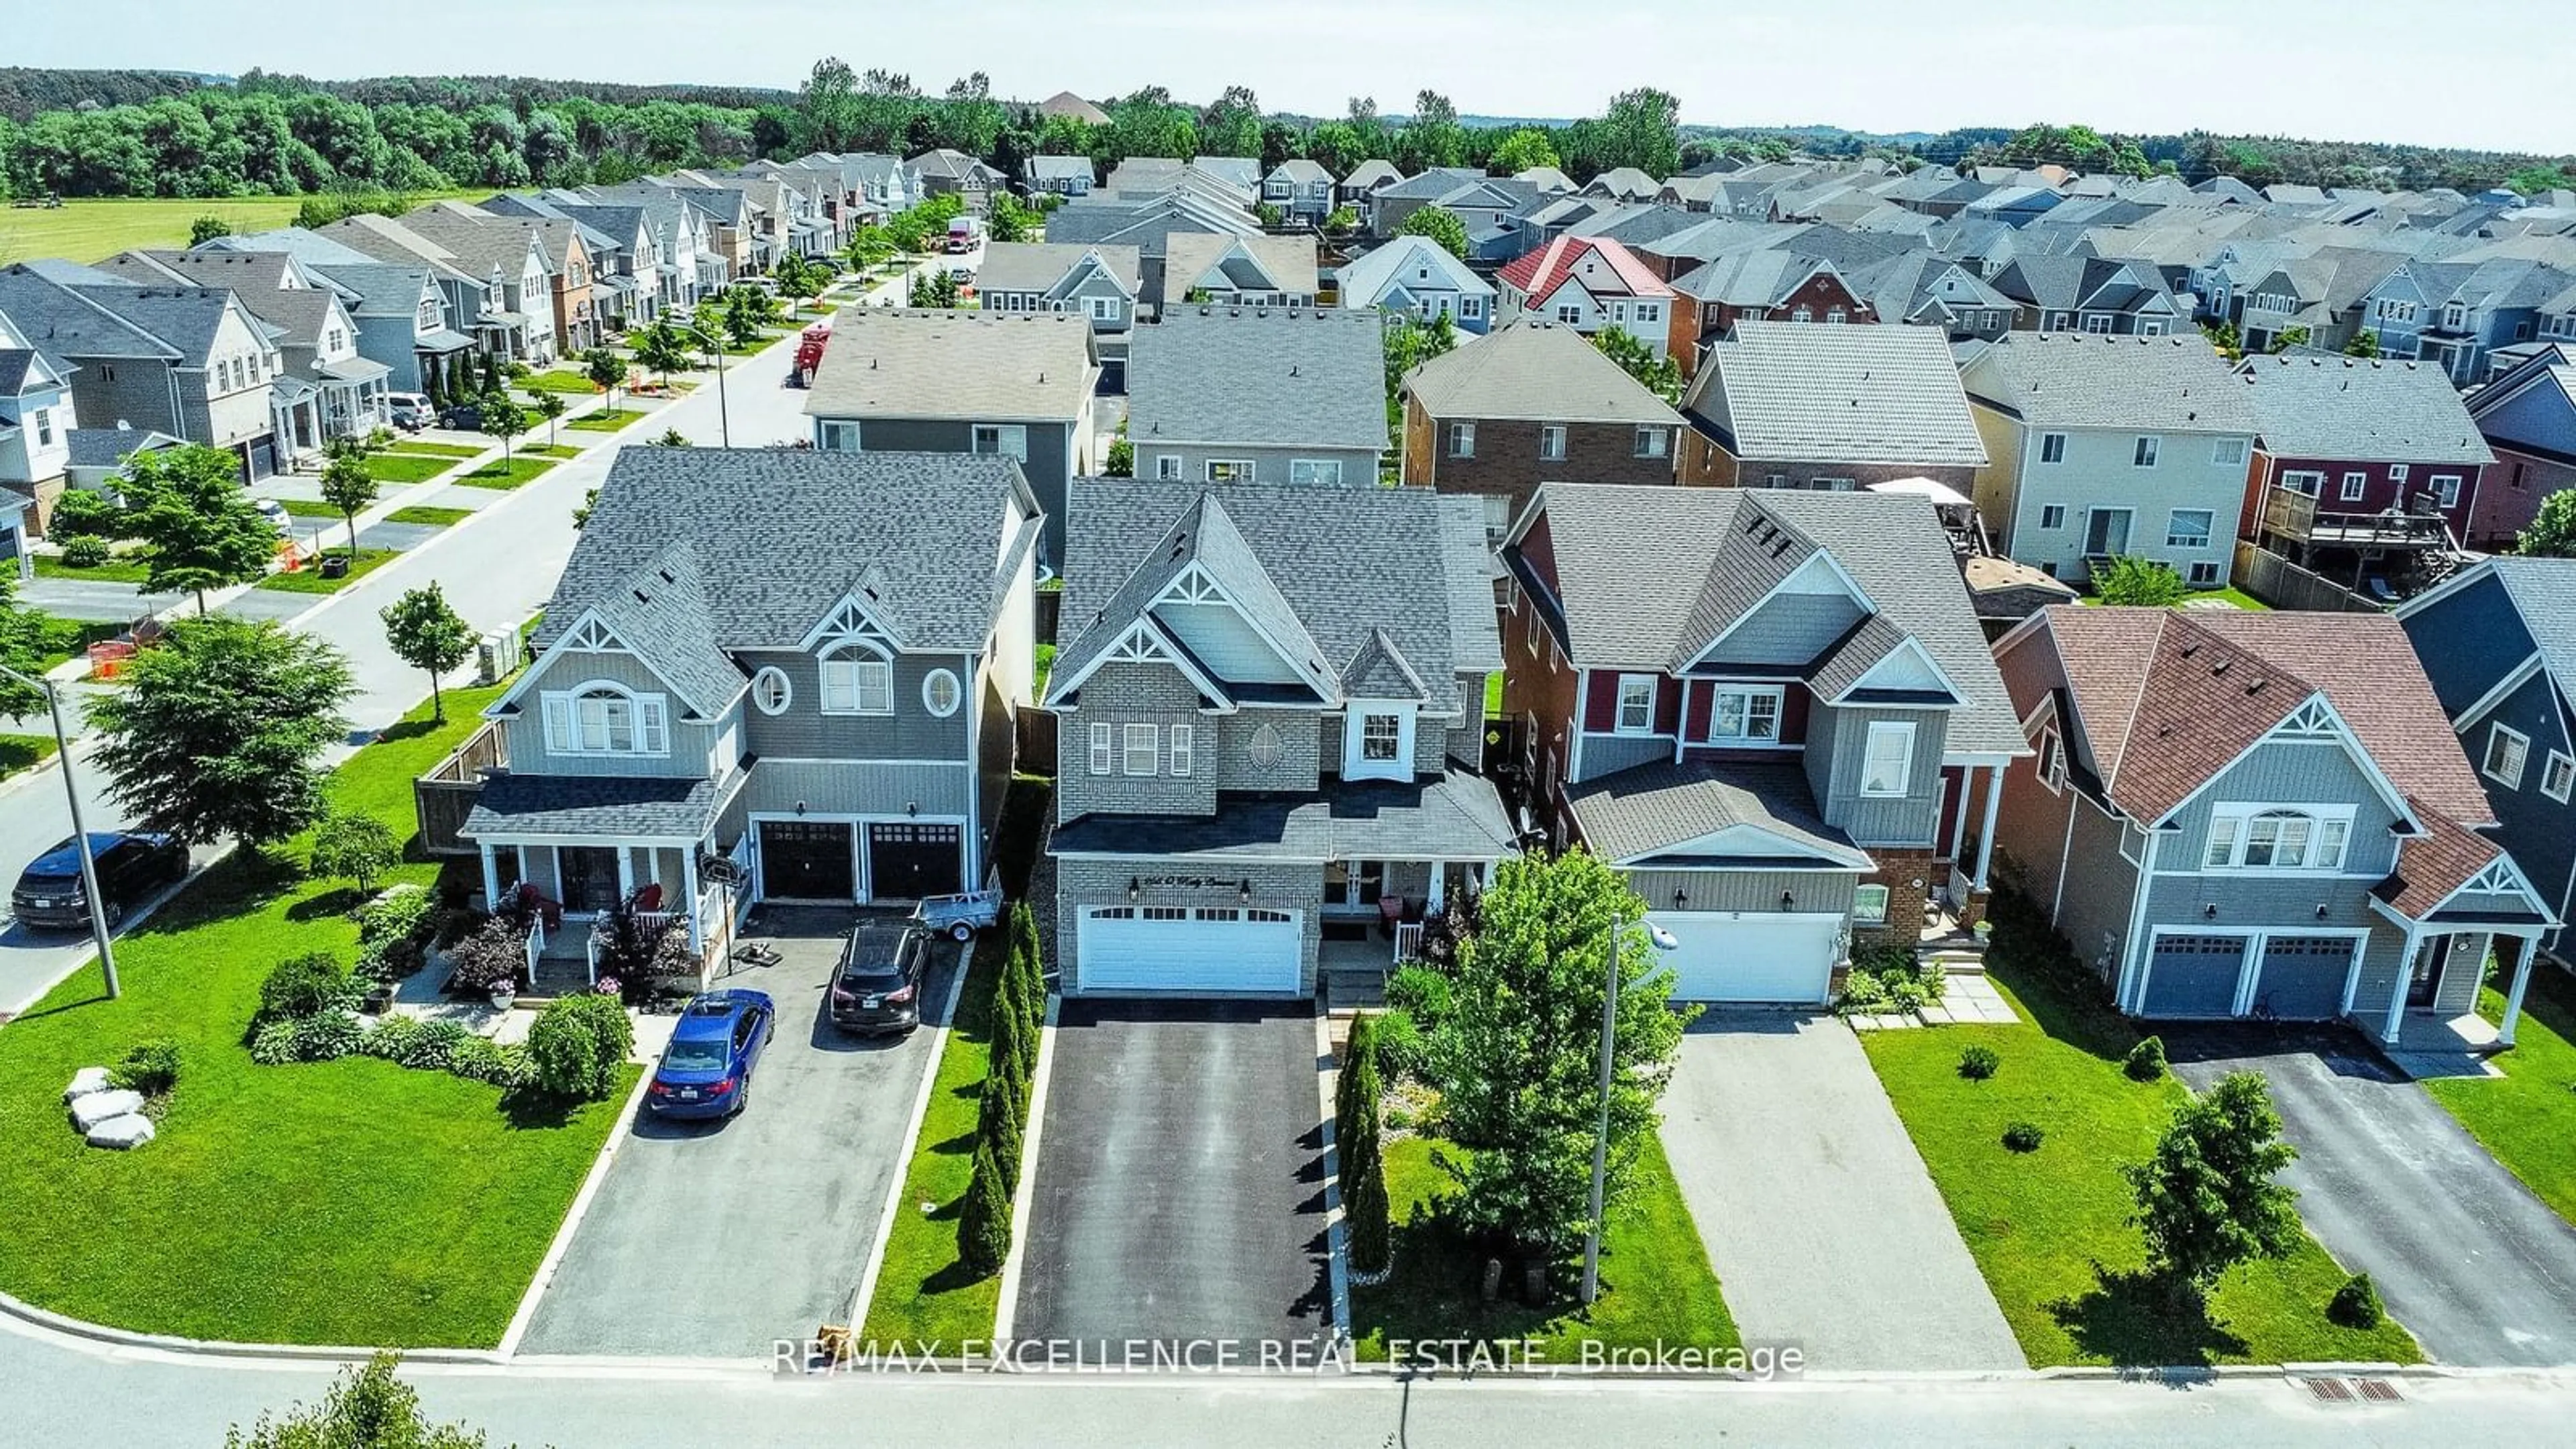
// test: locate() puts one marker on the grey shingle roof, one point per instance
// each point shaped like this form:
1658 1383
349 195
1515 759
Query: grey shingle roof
1258 377
1654 807
779 537
1364 278
529 806
2544 593
1627 606
1852 393
1375 561
2380 410
1199 258
2155 384
1534 371
1457 817
59 322
108 447
1038 266
889 362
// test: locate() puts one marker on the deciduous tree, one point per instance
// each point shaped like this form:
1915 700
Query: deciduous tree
2207 1200
548 404
349 487
356 847
428 634
1441 225
365 1408
198 526
2552 533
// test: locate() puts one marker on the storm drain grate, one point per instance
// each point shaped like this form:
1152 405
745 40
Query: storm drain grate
2331 1391
2379 1391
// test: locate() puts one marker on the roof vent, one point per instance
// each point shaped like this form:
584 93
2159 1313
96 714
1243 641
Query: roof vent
642 597
2219 668
2189 649
2255 685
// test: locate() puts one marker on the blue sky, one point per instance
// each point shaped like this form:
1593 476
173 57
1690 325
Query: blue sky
2497 74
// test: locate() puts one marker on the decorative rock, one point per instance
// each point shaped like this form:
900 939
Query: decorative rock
86 1081
130 1130
96 1107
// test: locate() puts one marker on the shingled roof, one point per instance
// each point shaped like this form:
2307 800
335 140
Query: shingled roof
2349 409
2150 384
1535 371
898 362
1259 377
1853 393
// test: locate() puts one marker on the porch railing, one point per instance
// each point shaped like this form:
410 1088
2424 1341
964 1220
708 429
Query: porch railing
536 945
1408 941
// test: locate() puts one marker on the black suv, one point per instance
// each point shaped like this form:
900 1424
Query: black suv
877 986
131 867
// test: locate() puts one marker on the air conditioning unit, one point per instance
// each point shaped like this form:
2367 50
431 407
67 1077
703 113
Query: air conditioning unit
499 653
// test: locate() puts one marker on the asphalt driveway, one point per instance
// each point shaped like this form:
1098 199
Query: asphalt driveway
2481 1270
1179 1192
713 1239
1823 1225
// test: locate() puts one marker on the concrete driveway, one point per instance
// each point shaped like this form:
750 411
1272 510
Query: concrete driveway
1823 1225
1179 1192
2481 1270
712 1239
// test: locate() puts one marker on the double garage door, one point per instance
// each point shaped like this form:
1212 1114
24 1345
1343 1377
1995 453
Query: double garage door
2296 978
1190 949
818 860
1751 956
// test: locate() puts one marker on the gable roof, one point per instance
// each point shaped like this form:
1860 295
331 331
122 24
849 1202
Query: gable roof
1653 808
1537 274
2057 379
899 362
1534 371
1260 377
1366 277
1288 262
1856 392
2543 591
2345 408
1039 266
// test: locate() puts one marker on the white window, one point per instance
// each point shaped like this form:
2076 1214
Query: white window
1551 442
1143 749
2300 480
1744 712
1324 471
2251 837
1802 313
2558 776
2052 515
2052 762
606 719
2203 575
2144 455
940 693
1184 749
2507 751
1168 468
1103 309
2187 528
1887 763
1462 440
1471 308
1229 470
1010 440
2354 486
770 690
2397 475
2228 453
1636 704
44 427
1834 314
1100 749
839 437
1652 442
1618 311
1570 314
2221 850
2052 447
1869 905
2446 489
1381 738
856 681
1650 312
2097 323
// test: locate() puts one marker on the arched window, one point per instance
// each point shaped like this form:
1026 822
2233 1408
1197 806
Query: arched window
857 679
606 718
2276 838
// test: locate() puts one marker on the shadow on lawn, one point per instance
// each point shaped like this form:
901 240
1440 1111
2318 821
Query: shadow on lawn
1436 1288
2138 1318
2063 997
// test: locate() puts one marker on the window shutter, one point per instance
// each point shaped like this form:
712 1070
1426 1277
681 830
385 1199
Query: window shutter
558 713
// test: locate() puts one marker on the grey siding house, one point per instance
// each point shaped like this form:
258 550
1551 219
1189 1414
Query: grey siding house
1100 283
807 663
1251 394
2256 815
1269 717
1013 385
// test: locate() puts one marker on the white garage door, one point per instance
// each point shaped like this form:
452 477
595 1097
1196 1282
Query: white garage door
1751 955
1190 949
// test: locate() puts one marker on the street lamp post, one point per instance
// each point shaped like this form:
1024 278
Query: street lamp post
1663 941
80 831
724 413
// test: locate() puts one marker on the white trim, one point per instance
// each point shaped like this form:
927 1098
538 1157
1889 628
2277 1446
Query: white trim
957 692
860 865
771 674
1822 556
1143 641
1922 656
2389 794
2496 735
1894 728
1777 694
1619 705
2514 679
2550 768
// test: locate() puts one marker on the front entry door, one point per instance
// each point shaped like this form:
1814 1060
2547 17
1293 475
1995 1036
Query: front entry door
908 860
589 877
808 860
2426 982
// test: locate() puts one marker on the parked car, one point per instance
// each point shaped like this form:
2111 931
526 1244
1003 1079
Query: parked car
462 417
706 1070
410 411
132 865
276 514
961 916
876 988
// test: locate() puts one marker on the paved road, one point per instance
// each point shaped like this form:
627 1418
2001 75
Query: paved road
1789 1155
2463 1253
1179 1179
496 568
716 1239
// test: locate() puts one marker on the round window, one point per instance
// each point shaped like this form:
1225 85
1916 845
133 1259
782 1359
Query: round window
939 693
1266 746
770 690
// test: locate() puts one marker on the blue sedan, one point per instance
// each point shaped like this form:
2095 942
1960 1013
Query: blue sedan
706 1071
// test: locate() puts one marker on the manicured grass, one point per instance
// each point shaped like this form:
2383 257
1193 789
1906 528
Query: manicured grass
114 571
59 639
922 1292
349 1202
24 752
404 468
433 517
309 580
606 420
509 474
309 508
2527 1117
561 379
88 229
435 450
551 450
1045 667
1494 708
1656 1283
2233 598
2050 1229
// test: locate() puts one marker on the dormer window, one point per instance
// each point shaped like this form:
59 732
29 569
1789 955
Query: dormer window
603 718
2261 838
857 679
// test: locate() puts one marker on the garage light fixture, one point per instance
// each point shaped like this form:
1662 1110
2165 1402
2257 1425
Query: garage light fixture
1245 894
911 808
800 807
1132 891
1788 899
2209 912
1681 897
2321 910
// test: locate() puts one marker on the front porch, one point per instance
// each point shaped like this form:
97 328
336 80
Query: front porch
1375 915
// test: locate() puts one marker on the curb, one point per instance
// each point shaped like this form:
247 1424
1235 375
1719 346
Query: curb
618 1134
1337 1235
866 1291
1024 1199
100 1333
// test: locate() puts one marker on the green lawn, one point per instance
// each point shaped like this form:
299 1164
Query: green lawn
435 450
2527 1117
561 379
426 514
349 1202
551 450
59 639
309 508
406 468
24 752
510 474
2046 1228
1656 1283
309 580
114 571
2233 598
88 229
1045 667
1494 711
922 1293
606 420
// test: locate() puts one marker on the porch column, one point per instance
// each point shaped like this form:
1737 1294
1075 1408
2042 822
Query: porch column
689 886
2513 998
1986 831
625 871
2397 991
491 875
1432 901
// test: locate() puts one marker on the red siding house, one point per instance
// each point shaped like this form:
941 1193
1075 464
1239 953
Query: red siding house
2359 463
